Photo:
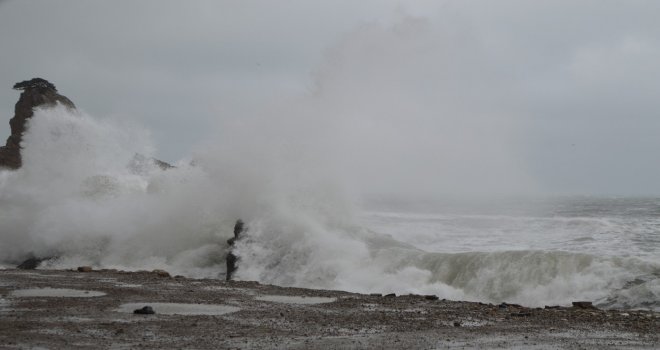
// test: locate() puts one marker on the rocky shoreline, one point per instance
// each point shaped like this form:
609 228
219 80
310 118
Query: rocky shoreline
65 309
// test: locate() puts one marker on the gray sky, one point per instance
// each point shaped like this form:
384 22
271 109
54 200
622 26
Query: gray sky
558 97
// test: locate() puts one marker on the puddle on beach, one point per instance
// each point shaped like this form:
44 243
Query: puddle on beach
180 308
55 292
286 299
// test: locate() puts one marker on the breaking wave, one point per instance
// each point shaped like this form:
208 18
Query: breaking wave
89 194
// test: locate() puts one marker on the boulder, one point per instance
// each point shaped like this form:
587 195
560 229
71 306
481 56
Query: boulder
147 310
583 305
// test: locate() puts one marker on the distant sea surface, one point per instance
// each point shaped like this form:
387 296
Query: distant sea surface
533 250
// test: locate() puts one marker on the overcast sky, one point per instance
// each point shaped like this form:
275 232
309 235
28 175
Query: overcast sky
555 97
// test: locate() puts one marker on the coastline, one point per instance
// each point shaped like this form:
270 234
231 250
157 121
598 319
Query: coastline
265 317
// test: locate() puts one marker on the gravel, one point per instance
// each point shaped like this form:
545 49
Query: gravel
259 321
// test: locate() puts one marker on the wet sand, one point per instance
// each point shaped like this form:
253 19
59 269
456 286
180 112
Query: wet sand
250 315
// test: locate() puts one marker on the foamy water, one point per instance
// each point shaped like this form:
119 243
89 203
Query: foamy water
83 198
535 251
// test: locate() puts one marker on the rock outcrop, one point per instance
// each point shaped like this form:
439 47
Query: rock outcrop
232 259
37 92
31 263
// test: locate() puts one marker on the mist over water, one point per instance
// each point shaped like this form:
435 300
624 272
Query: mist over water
413 115
392 110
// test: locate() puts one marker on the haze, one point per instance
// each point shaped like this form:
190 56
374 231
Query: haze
414 97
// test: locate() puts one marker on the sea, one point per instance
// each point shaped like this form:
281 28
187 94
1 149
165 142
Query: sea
534 250
89 194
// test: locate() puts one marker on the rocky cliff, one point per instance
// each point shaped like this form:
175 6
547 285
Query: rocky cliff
37 92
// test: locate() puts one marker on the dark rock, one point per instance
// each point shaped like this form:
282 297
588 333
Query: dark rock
31 263
85 269
232 259
583 305
35 83
161 273
36 93
232 264
431 297
521 314
457 323
376 294
239 227
391 295
147 310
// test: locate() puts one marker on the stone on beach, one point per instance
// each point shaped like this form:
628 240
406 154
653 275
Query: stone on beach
147 310
583 305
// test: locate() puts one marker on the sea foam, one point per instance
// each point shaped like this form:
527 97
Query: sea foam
80 197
